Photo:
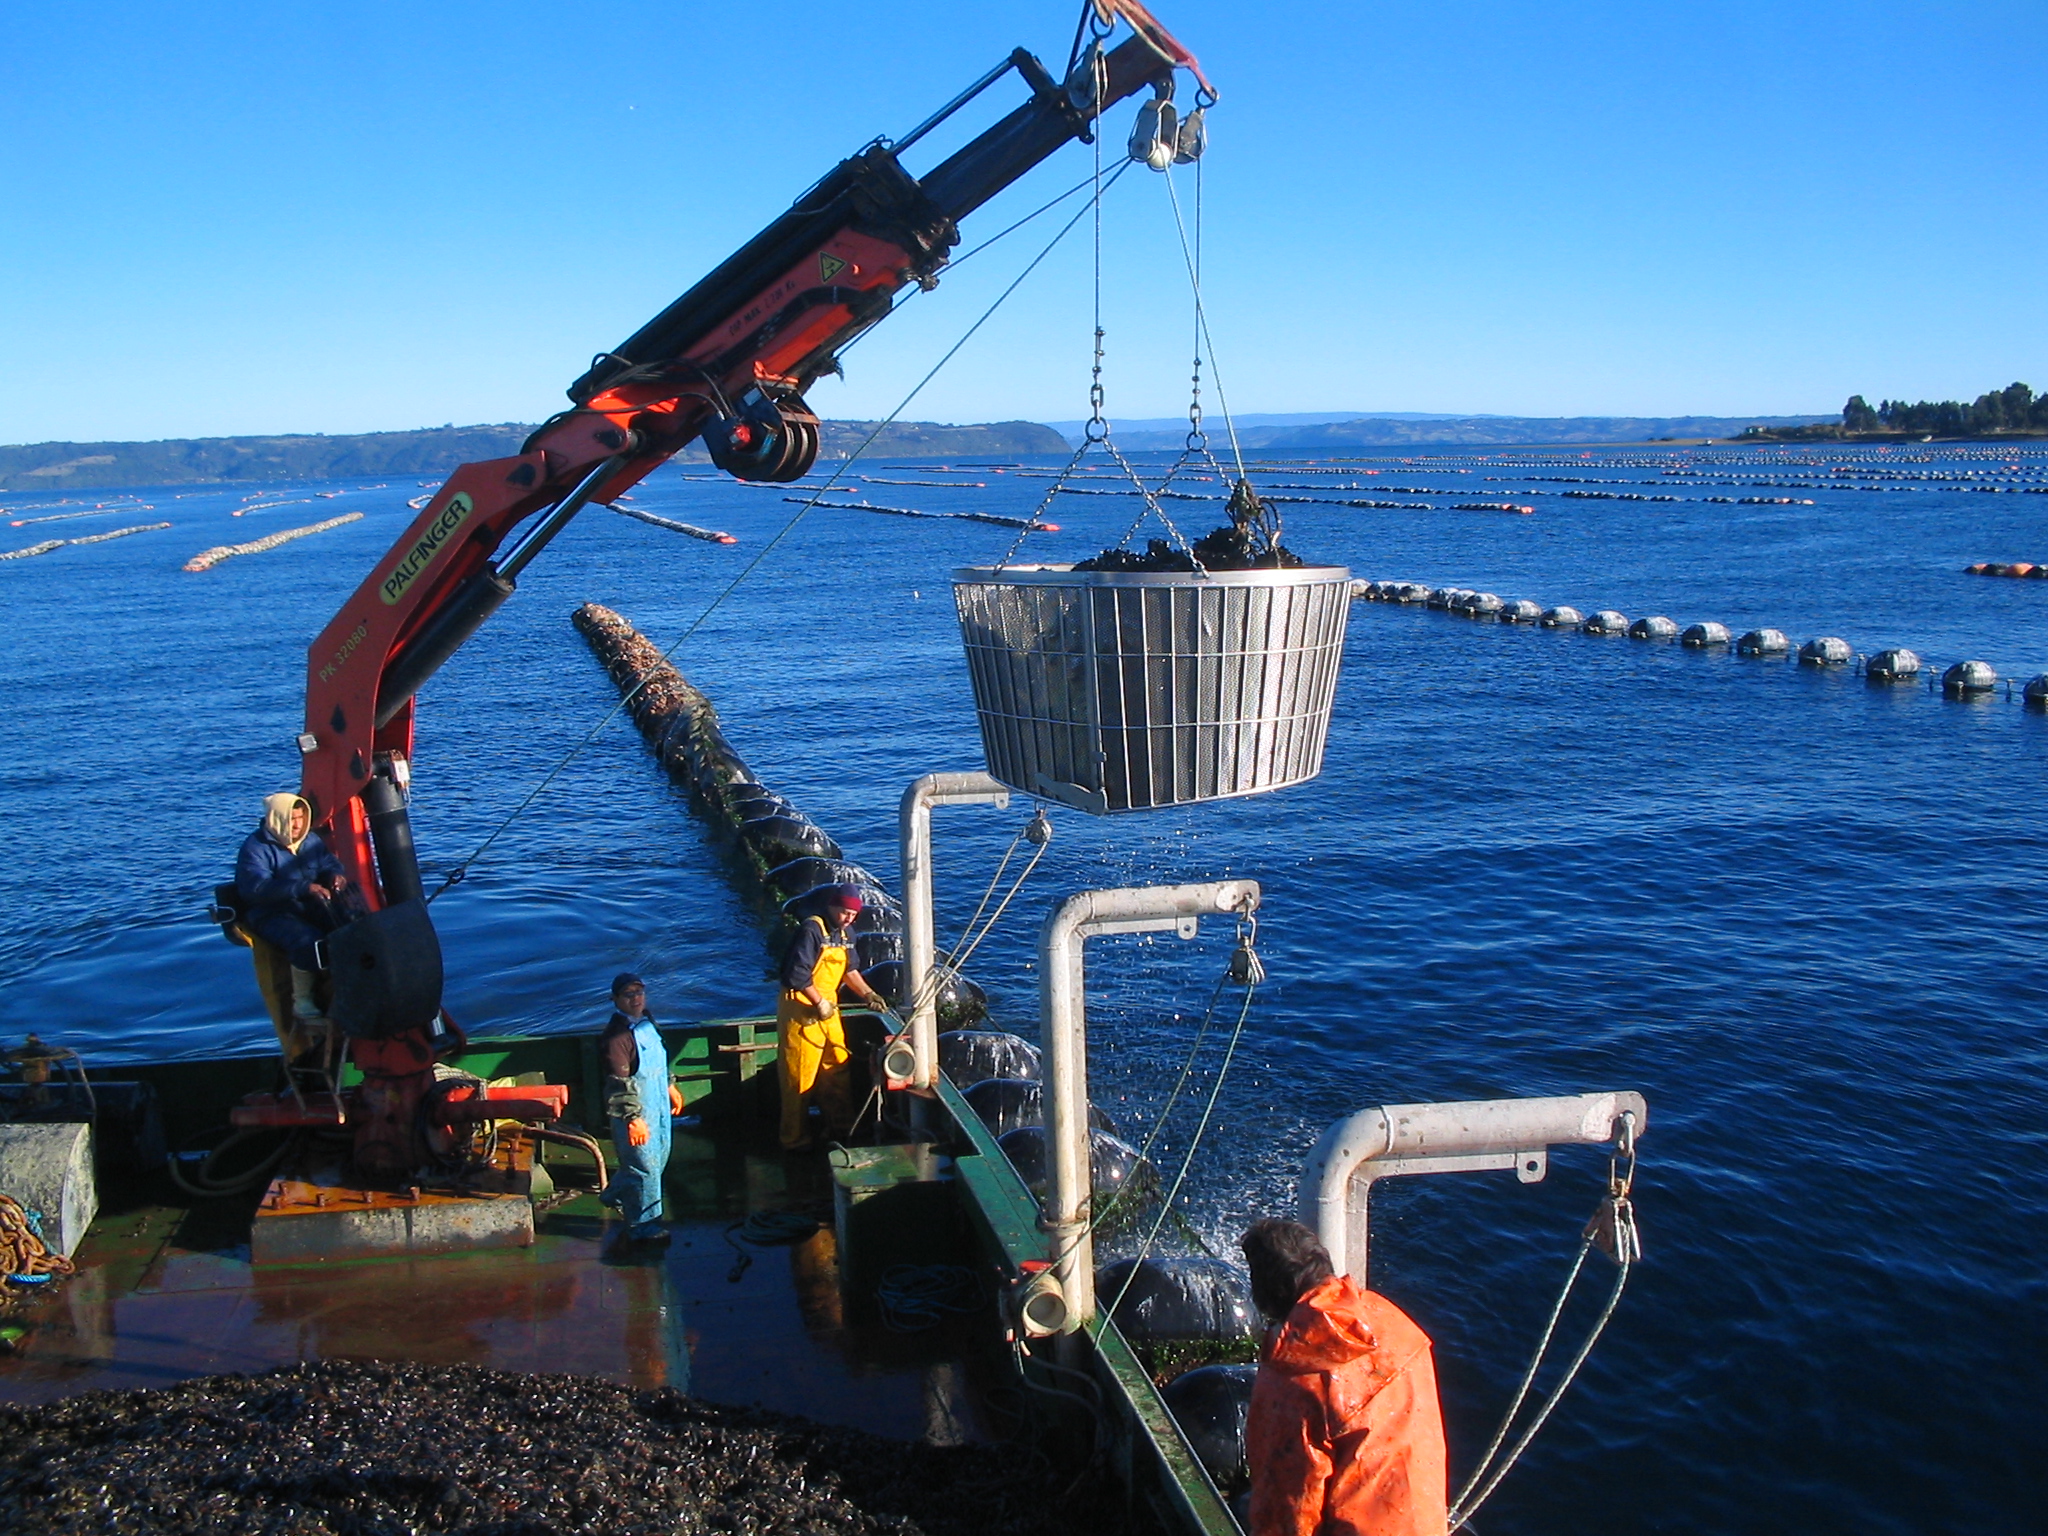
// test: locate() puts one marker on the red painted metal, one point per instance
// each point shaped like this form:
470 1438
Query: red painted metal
468 1104
285 1112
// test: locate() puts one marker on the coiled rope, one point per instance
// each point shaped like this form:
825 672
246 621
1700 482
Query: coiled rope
765 1229
915 1297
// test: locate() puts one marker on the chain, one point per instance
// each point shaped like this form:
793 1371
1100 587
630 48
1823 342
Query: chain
1197 440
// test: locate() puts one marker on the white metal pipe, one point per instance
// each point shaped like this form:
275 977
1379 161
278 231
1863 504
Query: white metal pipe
1481 1133
1063 1027
920 945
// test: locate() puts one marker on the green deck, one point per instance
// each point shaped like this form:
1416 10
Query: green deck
165 1289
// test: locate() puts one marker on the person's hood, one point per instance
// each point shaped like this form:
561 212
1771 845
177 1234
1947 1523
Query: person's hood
1326 1329
277 817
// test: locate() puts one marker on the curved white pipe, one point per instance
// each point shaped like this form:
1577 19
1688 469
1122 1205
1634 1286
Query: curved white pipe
1064 1035
1480 1133
920 947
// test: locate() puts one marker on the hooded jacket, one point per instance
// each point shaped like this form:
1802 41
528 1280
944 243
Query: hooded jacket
1345 1436
272 873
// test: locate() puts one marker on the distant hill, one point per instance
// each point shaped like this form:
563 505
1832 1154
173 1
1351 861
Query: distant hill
1400 431
429 452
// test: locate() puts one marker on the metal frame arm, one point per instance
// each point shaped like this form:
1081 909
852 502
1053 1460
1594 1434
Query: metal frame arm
1069 1195
920 942
1470 1137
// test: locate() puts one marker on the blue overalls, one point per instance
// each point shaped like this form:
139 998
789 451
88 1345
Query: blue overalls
636 1188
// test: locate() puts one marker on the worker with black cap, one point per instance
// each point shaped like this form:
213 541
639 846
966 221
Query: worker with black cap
637 1091
810 1036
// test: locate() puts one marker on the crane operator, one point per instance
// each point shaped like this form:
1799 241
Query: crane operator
293 891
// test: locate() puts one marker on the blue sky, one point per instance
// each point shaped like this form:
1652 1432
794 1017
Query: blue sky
240 218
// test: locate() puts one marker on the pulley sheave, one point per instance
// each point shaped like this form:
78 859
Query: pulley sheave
767 439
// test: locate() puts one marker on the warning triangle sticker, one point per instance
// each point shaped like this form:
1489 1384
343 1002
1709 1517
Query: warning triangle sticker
829 267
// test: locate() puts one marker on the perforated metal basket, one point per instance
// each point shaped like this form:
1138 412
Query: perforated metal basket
1122 691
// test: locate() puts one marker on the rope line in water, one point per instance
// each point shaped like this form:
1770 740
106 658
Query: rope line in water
207 559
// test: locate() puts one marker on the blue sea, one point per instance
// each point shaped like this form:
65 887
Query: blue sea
1803 915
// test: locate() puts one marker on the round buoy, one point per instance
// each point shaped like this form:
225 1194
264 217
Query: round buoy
1699 636
1174 1299
1479 605
1365 591
1763 642
969 1056
1115 1167
1211 1404
1007 1104
1827 651
1969 677
2035 693
1655 627
1440 598
1892 666
1605 622
1520 611
1561 617
1981 568
2021 568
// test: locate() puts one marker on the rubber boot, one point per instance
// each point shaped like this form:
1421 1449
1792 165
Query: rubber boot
304 1006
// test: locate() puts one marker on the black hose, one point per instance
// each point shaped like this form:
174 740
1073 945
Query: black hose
205 1184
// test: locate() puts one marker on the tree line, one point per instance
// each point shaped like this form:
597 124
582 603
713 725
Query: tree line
2016 408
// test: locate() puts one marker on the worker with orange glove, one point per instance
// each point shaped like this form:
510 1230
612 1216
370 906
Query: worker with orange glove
640 1100
810 1037
1345 1436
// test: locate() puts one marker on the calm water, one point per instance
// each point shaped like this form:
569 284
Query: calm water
1800 914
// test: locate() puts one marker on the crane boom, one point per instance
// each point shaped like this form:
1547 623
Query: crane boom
727 362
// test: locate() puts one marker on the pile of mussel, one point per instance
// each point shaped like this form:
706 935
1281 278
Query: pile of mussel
793 859
361 1447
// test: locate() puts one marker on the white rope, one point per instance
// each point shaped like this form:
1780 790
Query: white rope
1468 1501
1194 1144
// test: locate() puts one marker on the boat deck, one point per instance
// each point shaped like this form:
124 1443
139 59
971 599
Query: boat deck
165 1292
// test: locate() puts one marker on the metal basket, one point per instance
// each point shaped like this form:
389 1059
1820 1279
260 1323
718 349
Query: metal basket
1124 691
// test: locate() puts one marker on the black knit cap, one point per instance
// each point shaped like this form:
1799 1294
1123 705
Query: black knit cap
624 980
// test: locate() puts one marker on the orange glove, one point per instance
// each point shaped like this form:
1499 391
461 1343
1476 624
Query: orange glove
675 1101
636 1133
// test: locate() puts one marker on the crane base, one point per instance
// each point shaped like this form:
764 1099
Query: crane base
314 1212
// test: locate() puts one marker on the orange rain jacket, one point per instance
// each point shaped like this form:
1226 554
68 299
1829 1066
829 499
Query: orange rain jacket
1345 1436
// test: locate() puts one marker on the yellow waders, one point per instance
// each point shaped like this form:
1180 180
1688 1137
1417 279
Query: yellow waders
813 1050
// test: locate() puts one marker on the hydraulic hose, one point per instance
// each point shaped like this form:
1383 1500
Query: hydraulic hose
206 1184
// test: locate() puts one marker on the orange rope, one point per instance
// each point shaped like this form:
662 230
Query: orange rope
22 1252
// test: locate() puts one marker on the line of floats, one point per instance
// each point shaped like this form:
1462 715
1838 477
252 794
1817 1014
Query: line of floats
1965 679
